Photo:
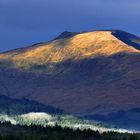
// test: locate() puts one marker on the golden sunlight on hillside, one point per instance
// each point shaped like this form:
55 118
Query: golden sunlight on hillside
84 45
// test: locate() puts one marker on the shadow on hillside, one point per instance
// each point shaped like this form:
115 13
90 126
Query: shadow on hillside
129 119
127 38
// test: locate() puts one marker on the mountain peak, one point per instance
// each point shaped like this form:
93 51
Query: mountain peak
65 34
71 46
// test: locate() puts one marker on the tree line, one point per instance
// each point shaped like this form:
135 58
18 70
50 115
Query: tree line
33 132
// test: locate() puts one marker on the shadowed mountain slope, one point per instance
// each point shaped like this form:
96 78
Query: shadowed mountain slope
127 38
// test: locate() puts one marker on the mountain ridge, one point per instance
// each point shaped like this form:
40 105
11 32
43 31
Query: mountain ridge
75 47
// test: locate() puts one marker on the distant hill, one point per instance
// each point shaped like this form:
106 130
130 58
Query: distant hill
21 106
85 74
129 119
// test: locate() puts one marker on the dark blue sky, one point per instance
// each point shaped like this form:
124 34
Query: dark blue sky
25 22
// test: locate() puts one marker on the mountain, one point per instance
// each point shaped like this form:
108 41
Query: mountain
86 74
11 106
78 47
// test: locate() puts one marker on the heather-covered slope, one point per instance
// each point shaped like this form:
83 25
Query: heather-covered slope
85 74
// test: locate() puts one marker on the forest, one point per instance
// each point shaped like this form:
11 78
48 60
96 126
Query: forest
33 132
